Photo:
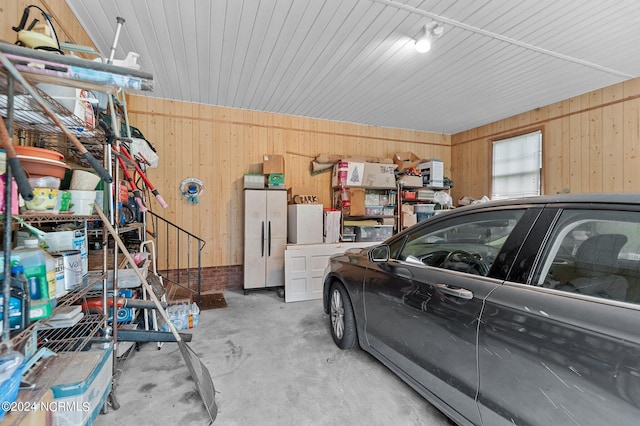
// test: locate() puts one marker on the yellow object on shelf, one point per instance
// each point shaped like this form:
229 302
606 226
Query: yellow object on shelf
43 199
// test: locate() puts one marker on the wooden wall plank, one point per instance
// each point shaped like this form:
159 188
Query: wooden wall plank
590 144
224 143
566 148
631 136
594 148
612 140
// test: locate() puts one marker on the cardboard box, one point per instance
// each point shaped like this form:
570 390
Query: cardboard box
347 173
409 217
406 160
379 175
433 173
69 240
388 221
331 232
412 181
302 195
272 164
357 202
253 181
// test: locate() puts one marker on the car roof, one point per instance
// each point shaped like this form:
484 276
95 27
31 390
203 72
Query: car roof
590 198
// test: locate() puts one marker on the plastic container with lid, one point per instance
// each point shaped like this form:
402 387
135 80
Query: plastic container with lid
33 260
45 182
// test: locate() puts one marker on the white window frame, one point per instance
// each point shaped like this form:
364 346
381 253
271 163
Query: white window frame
516 166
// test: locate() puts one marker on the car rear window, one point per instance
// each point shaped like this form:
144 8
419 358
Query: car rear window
594 253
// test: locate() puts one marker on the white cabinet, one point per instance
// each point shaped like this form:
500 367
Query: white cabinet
265 238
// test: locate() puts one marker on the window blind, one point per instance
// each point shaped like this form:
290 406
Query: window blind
517 163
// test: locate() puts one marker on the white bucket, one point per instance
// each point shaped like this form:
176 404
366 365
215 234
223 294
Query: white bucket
82 202
84 181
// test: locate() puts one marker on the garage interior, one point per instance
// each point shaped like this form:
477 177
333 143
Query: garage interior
236 84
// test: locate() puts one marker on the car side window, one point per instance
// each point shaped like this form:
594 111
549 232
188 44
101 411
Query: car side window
467 243
594 253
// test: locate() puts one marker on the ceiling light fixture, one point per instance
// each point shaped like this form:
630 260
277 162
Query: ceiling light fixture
431 32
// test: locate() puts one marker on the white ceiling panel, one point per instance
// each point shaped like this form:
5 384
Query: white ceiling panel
354 61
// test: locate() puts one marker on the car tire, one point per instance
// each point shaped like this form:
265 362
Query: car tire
341 318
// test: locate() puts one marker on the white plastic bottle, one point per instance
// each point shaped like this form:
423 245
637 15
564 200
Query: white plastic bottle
50 264
195 313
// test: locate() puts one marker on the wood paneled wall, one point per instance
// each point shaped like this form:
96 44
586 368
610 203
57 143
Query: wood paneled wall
219 145
590 144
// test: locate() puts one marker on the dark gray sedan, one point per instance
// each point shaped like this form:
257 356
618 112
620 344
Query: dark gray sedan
514 312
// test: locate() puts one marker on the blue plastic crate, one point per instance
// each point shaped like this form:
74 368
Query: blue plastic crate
11 368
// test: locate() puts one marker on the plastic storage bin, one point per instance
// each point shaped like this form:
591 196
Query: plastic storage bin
388 211
373 233
424 211
84 385
424 215
424 208
11 367
373 210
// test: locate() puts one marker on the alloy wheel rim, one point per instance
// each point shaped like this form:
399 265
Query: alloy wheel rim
337 314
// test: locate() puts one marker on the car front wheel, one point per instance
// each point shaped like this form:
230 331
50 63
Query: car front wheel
343 324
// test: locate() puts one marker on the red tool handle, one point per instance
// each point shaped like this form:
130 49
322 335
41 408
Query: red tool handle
146 180
136 192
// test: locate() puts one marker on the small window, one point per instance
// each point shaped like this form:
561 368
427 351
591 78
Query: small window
517 164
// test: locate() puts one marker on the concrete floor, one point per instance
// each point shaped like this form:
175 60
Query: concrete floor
272 363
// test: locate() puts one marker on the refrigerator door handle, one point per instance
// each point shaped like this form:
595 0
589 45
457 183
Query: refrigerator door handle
262 238
269 238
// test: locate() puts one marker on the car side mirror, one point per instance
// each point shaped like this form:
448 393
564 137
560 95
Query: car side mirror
379 254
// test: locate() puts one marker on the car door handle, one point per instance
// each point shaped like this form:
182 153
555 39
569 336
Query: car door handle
454 291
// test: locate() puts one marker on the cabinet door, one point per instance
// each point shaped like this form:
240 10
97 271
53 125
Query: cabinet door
276 237
255 233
